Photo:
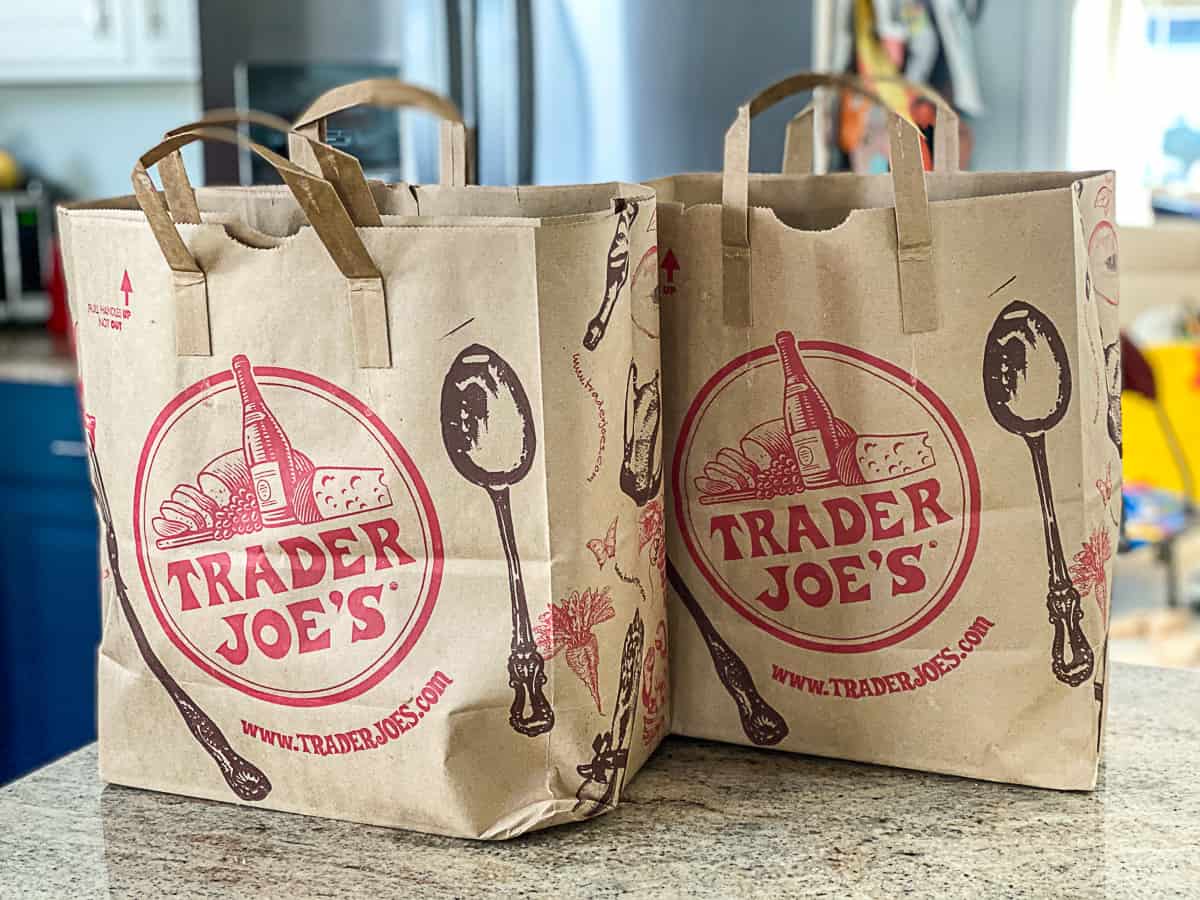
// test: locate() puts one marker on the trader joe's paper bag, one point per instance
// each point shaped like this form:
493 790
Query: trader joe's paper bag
893 483
376 545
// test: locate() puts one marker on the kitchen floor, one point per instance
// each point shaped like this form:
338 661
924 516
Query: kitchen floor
1144 629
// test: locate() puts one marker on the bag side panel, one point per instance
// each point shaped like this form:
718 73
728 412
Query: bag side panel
1098 295
598 289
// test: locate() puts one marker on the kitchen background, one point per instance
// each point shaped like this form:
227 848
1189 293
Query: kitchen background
566 91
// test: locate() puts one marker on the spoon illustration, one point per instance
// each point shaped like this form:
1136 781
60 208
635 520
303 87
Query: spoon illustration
1027 383
487 427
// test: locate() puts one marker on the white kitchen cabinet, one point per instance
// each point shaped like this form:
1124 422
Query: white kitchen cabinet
62 33
166 32
88 41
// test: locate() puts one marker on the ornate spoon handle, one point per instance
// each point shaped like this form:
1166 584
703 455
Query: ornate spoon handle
244 778
530 713
761 722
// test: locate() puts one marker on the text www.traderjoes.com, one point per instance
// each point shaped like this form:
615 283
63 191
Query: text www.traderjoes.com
925 673
404 718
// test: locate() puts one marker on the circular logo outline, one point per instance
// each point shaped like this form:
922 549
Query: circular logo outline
382 434
1108 229
972 495
154 589
651 255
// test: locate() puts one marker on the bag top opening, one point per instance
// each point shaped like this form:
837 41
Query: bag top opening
823 202
261 215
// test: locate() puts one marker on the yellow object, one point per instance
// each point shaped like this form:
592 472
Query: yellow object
1148 457
874 62
11 175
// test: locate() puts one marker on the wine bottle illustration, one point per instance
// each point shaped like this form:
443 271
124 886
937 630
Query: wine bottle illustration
268 451
807 417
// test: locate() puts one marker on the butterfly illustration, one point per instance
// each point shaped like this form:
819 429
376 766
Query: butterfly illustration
1104 485
605 548
1106 489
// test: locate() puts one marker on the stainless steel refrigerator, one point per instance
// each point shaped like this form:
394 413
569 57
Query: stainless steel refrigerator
558 91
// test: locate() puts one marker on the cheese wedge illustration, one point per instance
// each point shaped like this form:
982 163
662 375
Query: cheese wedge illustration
329 492
882 457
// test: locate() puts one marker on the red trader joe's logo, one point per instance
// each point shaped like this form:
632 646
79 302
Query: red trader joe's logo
298 579
843 530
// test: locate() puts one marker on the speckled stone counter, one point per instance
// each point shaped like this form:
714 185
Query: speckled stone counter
700 820
31 355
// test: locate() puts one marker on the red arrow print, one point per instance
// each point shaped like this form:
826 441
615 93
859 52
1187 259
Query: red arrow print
670 265
126 286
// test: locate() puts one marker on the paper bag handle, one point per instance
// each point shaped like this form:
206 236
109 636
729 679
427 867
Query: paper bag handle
914 235
228 115
181 199
389 93
337 167
798 139
325 212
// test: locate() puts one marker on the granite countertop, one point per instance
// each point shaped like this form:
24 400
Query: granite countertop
701 819
35 356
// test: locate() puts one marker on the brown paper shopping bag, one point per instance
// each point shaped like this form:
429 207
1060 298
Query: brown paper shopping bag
892 490
372 548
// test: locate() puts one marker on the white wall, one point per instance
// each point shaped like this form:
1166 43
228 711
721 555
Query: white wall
1023 51
86 138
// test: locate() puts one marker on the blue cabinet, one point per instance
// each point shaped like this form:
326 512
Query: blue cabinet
49 579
